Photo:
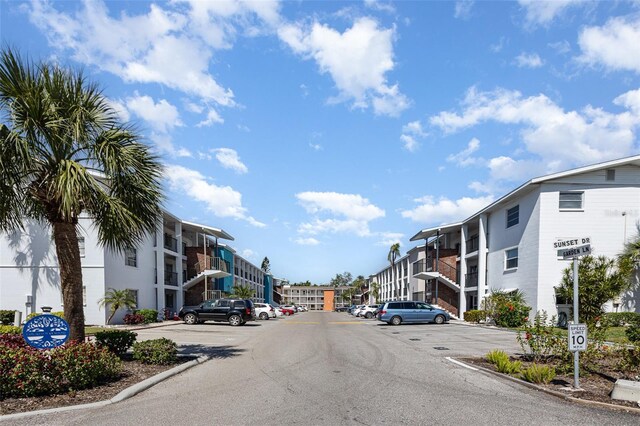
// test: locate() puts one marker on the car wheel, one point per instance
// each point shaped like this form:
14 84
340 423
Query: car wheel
264 316
235 320
439 319
396 320
368 315
190 319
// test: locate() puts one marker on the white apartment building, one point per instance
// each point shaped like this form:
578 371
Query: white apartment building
510 243
398 282
165 269
315 297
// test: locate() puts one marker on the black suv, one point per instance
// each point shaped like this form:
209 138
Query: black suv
233 311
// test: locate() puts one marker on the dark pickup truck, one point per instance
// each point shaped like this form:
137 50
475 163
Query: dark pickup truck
233 311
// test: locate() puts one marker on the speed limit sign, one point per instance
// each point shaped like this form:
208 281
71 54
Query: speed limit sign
577 337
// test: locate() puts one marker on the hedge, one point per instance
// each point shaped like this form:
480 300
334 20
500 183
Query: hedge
475 316
158 351
7 317
619 319
116 341
150 315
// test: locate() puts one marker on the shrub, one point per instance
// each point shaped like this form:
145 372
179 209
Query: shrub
10 329
511 314
7 316
116 341
508 367
633 330
133 319
537 373
12 340
35 314
150 315
158 351
85 365
619 319
496 356
540 339
630 358
475 316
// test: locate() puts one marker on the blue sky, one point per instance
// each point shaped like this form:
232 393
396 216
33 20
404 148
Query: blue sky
319 133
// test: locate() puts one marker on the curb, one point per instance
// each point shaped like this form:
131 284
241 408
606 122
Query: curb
124 394
560 395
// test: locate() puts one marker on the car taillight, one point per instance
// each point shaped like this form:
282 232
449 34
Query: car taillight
382 312
248 310
272 309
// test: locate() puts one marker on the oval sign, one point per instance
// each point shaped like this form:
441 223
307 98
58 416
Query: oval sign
45 331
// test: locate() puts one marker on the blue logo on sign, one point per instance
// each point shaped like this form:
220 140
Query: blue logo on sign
45 331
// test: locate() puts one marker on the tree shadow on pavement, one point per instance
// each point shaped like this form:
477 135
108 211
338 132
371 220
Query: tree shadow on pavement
217 352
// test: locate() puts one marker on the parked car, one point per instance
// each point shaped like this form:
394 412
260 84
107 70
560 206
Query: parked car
396 313
353 308
287 311
278 311
368 311
264 311
356 313
342 309
234 311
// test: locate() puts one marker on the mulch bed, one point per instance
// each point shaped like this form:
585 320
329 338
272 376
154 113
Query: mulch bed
133 372
597 386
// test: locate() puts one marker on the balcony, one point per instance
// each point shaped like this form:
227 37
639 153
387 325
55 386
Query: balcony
170 278
213 264
170 243
471 280
426 270
472 244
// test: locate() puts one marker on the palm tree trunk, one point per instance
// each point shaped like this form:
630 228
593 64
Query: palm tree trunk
68 252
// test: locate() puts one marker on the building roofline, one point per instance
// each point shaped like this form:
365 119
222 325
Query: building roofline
209 230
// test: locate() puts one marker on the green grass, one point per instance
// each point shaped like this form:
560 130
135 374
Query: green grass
91 330
614 334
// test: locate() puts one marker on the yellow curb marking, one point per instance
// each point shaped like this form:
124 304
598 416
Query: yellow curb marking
346 322
302 322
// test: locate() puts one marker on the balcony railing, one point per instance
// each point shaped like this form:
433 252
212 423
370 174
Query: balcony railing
429 265
170 278
471 280
170 243
184 249
211 263
472 244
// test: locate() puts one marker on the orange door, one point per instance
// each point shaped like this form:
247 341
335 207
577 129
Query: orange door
328 300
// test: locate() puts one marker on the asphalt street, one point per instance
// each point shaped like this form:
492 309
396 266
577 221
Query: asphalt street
319 368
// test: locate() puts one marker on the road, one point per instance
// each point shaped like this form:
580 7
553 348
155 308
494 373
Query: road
320 368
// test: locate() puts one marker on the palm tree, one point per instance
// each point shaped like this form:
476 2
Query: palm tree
243 292
63 151
375 291
394 252
266 265
117 299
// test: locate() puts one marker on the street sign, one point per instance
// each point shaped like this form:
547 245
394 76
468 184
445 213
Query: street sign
577 337
572 252
567 243
45 331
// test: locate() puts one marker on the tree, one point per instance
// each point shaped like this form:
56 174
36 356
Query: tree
375 291
629 259
340 280
117 299
600 280
243 292
394 252
266 266
63 152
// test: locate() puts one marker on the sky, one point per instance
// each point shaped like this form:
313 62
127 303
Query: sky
318 133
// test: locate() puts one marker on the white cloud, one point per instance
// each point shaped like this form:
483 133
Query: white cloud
315 146
445 210
212 118
543 12
307 241
248 254
410 132
529 60
380 5
464 158
161 116
561 139
615 45
463 9
361 79
170 43
229 159
349 213
389 238
222 201
561 47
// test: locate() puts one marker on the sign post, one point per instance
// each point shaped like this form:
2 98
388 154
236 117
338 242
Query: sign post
572 249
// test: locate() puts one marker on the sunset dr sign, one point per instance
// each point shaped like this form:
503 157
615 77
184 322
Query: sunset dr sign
572 248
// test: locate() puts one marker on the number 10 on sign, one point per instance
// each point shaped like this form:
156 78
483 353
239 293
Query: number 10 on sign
577 337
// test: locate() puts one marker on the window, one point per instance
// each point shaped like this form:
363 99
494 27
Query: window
134 295
511 258
84 295
130 257
223 304
513 216
611 175
81 246
571 200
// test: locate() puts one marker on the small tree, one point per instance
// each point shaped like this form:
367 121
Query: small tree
117 299
600 280
394 253
375 291
243 292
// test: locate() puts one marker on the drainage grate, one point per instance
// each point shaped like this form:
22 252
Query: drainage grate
415 340
440 348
